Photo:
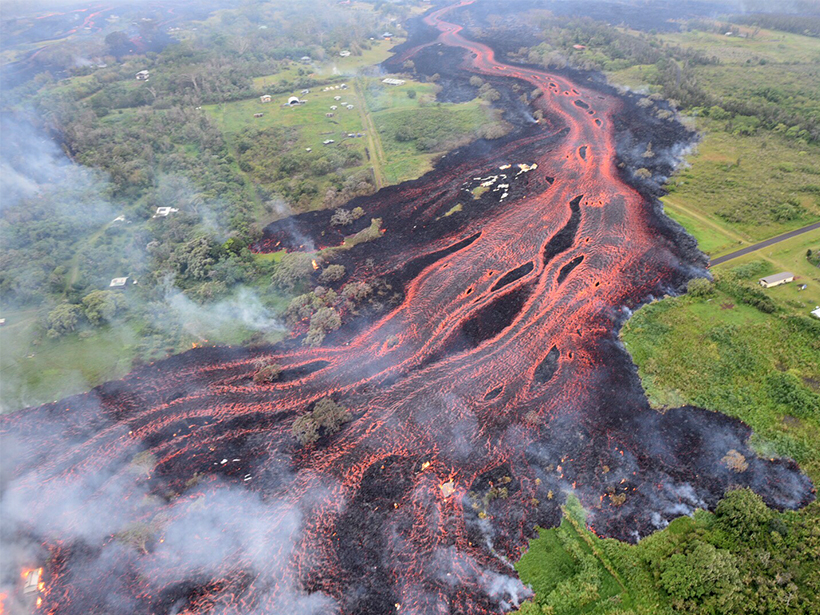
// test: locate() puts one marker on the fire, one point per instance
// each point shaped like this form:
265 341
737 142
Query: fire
315 264
425 465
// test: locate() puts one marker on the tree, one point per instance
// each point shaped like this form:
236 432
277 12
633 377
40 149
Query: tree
267 373
700 287
102 305
411 93
325 419
322 322
305 430
706 578
63 319
195 258
294 268
741 517
118 43
329 415
476 81
341 217
332 273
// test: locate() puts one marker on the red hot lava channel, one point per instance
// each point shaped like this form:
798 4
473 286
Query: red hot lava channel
491 391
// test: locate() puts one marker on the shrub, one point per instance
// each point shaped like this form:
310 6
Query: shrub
700 287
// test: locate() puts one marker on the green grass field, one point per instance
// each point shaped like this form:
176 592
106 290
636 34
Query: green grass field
719 354
35 373
789 255
772 46
331 68
725 197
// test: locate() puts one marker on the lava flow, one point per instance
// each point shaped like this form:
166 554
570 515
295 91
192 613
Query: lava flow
495 387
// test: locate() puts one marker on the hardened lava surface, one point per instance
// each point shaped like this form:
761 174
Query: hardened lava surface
491 390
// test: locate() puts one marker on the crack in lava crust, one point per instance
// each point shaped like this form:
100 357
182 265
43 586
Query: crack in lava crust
506 379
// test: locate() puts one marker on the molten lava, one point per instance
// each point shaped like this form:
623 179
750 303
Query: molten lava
495 387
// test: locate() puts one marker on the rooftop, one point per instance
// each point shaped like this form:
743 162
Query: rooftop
777 277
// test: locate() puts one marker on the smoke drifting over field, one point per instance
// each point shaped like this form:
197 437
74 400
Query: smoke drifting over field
493 389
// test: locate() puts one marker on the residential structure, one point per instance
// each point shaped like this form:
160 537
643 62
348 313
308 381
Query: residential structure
143 75
265 98
777 279
163 212
391 81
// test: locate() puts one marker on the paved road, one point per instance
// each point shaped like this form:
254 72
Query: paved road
764 244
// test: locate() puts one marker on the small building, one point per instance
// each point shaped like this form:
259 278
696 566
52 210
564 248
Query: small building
258 114
350 107
387 35
333 107
142 75
265 98
343 86
448 488
777 279
328 141
164 212
294 101
345 53
306 59
118 283
2 322
579 47
305 92
328 115
816 312
337 98
32 583
392 81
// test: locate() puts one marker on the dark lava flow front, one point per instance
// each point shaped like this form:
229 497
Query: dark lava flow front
493 389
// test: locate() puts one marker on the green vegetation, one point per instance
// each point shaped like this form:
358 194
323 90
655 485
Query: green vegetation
741 189
325 419
188 138
413 130
745 356
744 559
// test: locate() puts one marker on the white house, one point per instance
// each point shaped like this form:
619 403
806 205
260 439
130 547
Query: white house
391 81
118 283
265 98
777 279
142 75
163 212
